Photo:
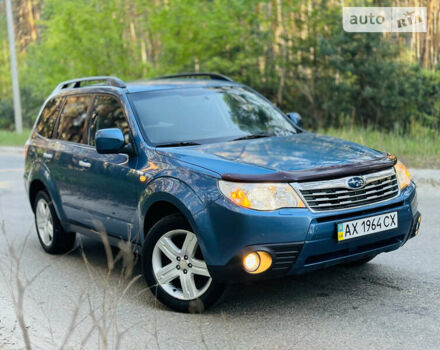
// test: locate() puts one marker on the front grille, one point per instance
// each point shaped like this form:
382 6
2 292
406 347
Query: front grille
336 195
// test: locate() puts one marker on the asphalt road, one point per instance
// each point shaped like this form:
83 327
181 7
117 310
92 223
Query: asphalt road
391 303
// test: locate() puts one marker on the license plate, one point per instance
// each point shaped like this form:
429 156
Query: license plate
366 226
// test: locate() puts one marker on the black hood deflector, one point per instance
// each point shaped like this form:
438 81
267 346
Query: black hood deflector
316 174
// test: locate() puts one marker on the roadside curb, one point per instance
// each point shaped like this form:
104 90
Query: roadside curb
13 149
426 176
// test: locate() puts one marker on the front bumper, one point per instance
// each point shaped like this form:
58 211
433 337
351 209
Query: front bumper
298 240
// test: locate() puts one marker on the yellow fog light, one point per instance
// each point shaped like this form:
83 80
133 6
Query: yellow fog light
257 262
251 262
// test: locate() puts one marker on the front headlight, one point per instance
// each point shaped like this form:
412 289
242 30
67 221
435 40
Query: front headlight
261 196
403 175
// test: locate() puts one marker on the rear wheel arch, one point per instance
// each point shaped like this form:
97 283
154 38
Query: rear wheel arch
38 184
53 238
35 187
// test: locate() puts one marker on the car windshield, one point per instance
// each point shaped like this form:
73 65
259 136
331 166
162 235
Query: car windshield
202 115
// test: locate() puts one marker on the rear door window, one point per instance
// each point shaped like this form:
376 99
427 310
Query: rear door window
73 119
107 113
48 117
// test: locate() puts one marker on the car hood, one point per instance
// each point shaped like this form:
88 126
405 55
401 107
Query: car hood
274 154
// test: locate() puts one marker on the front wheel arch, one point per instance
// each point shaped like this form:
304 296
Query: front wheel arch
168 195
174 205
170 224
162 205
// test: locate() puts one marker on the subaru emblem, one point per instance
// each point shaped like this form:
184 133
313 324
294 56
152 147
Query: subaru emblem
356 182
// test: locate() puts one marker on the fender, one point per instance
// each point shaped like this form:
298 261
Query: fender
175 192
40 172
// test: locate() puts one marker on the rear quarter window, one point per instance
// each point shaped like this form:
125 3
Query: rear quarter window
48 117
73 119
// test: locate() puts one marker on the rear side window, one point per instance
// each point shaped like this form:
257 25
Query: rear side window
48 117
73 119
107 113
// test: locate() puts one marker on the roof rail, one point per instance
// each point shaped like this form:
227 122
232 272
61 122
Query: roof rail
76 83
213 76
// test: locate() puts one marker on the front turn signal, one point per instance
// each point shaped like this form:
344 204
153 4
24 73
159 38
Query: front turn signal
403 176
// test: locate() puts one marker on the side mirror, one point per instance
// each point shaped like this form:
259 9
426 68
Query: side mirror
296 119
109 141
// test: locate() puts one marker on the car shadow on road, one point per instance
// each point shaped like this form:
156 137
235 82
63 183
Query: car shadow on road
332 286
339 285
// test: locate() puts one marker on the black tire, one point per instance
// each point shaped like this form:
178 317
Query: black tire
162 227
62 241
360 262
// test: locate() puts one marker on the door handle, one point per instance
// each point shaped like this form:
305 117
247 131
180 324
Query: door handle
84 164
47 155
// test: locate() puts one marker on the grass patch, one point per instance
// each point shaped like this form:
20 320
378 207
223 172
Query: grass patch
11 138
419 149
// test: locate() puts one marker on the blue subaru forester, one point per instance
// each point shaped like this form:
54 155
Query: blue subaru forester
210 182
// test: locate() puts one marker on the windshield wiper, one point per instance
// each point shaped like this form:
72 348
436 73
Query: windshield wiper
253 136
178 144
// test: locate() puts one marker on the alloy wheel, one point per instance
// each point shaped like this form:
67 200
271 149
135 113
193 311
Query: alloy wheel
44 222
178 265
